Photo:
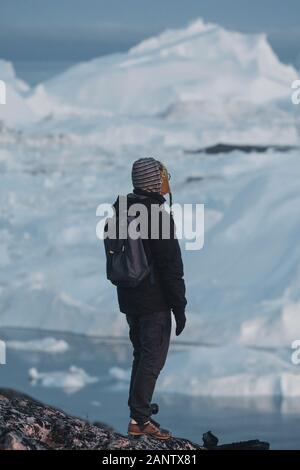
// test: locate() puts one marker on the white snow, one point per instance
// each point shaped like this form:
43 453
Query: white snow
8 75
16 111
181 90
71 381
230 370
47 345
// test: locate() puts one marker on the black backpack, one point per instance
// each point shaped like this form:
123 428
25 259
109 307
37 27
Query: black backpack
127 264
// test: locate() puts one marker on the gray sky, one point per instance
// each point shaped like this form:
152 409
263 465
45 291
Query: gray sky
82 29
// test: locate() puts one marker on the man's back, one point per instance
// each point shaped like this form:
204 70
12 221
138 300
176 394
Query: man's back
164 288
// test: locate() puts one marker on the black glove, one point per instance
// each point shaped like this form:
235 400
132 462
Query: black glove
180 320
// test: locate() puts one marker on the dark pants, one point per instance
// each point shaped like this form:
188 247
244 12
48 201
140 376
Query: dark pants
150 337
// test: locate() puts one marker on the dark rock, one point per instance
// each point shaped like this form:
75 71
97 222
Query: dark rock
254 444
195 178
27 424
226 148
192 179
209 440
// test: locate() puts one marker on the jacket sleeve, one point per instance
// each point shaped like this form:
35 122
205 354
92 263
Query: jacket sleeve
168 265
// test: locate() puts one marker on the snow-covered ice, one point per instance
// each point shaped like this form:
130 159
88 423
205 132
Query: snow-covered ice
71 381
229 370
16 111
200 84
47 345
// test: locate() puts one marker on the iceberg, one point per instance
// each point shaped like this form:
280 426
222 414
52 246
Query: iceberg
71 381
15 112
189 86
228 370
46 345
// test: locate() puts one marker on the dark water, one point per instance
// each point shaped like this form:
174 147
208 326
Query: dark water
106 401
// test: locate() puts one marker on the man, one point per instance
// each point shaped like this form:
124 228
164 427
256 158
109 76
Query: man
148 306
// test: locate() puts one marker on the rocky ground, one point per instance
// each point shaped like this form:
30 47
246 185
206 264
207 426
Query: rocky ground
27 424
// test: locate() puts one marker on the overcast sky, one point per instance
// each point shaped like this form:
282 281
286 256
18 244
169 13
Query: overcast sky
82 29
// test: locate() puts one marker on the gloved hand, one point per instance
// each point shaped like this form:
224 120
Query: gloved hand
180 320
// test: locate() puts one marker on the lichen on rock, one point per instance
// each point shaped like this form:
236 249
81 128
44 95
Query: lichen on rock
26 424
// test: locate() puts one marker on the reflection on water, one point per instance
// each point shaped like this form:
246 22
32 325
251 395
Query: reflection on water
271 419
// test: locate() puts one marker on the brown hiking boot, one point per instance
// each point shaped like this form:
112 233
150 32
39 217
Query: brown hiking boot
152 428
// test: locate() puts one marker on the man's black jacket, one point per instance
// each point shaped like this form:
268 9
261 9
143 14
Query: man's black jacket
165 289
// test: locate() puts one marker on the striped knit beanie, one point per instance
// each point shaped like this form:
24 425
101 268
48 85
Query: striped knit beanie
146 174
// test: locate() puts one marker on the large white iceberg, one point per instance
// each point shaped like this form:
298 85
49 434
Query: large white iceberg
202 62
188 86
